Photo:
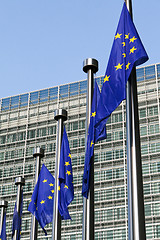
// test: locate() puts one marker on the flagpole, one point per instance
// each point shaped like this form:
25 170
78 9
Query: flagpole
38 154
136 216
90 66
20 182
3 206
60 116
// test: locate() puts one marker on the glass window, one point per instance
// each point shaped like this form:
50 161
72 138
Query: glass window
74 87
43 95
5 103
53 93
142 113
147 210
24 100
83 87
146 188
143 130
144 149
153 111
140 74
2 139
14 102
63 91
34 97
150 72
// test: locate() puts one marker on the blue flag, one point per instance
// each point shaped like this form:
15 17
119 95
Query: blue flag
91 141
3 231
66 190
41 205
17 219
127 52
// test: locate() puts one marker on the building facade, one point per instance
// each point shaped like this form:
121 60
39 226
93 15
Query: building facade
27 121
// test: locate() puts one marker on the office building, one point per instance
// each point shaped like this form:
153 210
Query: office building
27 121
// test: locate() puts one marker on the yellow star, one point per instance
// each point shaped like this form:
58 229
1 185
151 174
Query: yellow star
106 78
29 201
50 197
132 39
51 184
59 188
127 36
36 208
127 66
69 155
118 35
92 143
124 44
52 191
45 180
66 186
119 66
67 163
43 201
68 172
132 50
93 114
124 55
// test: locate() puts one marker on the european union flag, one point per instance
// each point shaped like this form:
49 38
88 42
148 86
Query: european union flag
127 52
17 219
91 141
3 231
41 205
66 190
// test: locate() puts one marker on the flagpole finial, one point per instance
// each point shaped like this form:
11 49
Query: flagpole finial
3 203
90 63
60 113
38 152
20 180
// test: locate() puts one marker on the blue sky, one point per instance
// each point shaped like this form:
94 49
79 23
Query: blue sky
43 42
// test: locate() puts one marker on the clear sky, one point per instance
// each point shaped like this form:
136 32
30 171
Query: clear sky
43 42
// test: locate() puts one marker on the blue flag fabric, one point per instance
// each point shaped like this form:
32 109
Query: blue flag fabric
3 232
66 190
17 219
127 52
41 205
91 141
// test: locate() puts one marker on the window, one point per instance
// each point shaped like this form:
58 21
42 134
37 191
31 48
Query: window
142 113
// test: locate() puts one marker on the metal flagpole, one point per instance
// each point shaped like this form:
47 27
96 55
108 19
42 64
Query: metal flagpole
90 66
136 216
60 115
38 154
20 182
3 206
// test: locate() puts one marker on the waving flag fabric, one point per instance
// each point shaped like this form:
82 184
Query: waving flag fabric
127 52
66 190
91 141
41 205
